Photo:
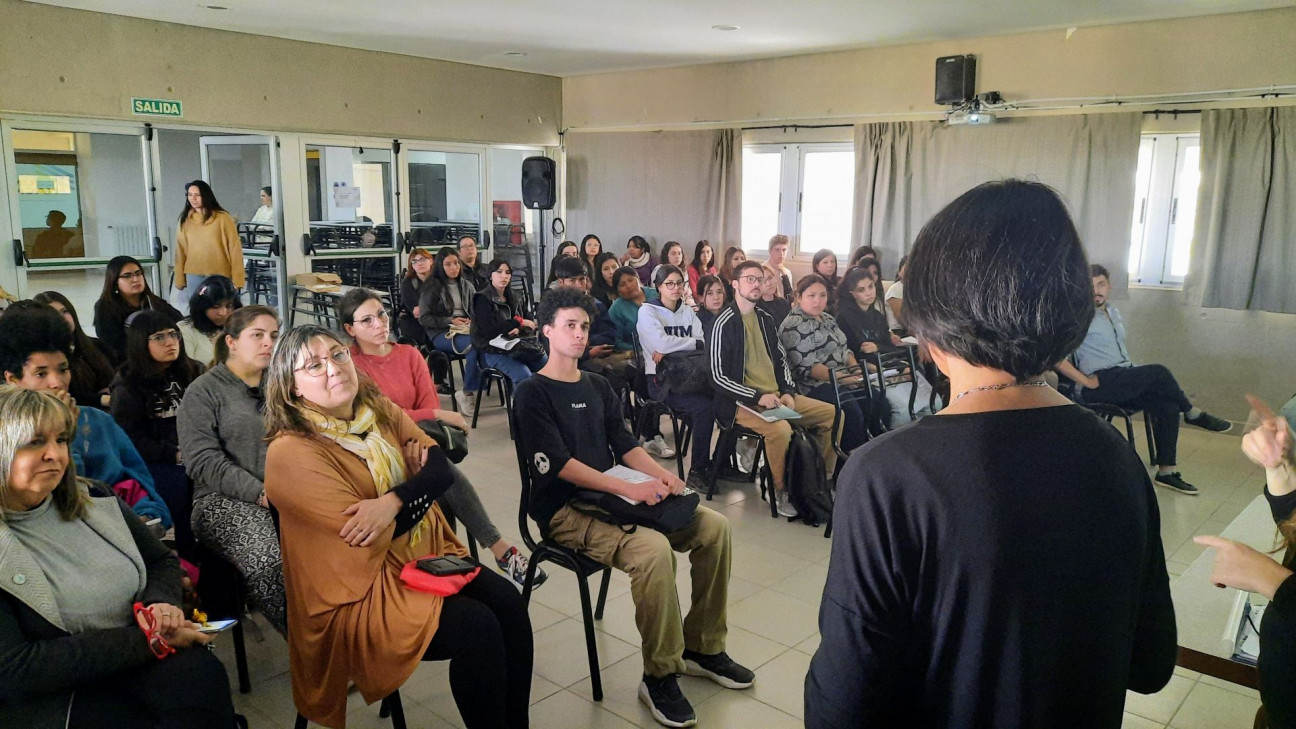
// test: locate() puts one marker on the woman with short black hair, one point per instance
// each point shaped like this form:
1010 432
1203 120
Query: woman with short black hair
968 546
639 256
209 308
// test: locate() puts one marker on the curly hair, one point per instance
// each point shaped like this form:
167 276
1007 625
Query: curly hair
563 297
27 327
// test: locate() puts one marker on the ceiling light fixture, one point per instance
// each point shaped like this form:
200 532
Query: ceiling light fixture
215 7
514 53
724 27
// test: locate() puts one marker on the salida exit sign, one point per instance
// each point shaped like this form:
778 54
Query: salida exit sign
156 107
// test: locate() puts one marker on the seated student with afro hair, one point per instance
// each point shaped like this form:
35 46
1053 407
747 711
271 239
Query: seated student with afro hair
34 348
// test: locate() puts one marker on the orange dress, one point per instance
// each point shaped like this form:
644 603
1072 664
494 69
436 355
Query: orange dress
351 618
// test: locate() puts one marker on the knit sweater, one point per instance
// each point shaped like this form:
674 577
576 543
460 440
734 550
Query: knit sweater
403 377
222 437
810 341
209 248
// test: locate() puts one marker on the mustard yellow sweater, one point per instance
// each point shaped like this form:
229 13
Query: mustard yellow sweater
209 248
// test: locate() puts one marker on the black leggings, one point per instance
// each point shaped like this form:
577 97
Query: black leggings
485 632
188 690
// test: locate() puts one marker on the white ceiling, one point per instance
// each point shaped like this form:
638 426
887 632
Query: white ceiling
574 37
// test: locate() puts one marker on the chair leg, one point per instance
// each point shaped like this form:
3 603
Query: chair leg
536 558
591 647
602 599
477 406
240 657
300 723
1147 427
677 429
391 706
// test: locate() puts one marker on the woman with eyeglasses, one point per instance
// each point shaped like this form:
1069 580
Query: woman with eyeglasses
355 483
223 445
125 291
401 375
90 621
92 370
209 308
473 267
496 313
145 396
417 272
207 241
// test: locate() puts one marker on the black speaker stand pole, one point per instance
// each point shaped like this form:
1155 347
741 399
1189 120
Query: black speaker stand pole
543 258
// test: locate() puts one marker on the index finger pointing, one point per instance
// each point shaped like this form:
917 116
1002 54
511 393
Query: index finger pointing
1261 409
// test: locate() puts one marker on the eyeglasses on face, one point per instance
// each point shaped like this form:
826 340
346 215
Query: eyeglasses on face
751 279
672 284
318 367
133 275
372 320
168 335
420 259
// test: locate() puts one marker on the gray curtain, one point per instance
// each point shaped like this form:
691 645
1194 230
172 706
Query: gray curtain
1244 241
905 172
684 186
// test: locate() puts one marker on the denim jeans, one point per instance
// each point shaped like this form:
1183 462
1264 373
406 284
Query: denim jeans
461 344
516 370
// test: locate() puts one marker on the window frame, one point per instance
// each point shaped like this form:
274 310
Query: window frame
1156 210
791 193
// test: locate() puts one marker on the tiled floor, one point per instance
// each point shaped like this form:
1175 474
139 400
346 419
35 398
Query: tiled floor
778 575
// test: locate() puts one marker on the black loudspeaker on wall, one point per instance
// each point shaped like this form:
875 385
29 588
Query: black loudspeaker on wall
955 79
538 183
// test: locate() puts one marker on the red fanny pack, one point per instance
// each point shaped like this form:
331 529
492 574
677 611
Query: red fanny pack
443 585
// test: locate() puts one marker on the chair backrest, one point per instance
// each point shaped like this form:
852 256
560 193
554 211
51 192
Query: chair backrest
524 475
843 393
899 359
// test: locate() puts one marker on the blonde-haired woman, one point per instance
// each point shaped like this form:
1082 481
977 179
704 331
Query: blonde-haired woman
90 630
354 481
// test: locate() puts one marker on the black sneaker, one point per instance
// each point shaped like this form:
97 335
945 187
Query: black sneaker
719 668
1174 481
664 699
1206 421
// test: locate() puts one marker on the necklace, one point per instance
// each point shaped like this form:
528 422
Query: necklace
1001 386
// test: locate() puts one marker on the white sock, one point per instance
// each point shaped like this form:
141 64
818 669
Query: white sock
1194 412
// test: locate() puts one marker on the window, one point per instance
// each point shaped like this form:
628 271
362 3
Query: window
1165 208
806 191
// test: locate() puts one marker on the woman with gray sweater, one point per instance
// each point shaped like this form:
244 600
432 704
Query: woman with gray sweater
222 441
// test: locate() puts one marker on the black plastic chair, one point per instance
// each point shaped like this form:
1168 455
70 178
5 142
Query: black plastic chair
490 376
390 706
681 424
546 550
1110 413
223 593
905 364
760 474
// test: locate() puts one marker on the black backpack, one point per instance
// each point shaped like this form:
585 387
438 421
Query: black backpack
807 479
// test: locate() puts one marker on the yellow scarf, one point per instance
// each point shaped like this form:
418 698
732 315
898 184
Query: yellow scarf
362 437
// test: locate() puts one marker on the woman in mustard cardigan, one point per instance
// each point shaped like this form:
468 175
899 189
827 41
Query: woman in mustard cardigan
207 242
355 481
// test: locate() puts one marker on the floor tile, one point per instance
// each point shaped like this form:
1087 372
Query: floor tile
566 709
739 709
1211 707
1133 721
560 651
781 683
1161 706
775 616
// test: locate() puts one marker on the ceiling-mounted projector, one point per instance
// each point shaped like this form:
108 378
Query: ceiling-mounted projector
970 118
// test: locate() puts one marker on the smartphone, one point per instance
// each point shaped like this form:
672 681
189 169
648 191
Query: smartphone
445 566
216 626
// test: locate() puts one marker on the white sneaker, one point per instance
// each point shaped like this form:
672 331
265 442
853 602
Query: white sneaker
657 447
467 402
784 506
746 452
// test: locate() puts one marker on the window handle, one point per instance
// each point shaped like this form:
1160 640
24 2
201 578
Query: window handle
1143 212
20 256
1174 210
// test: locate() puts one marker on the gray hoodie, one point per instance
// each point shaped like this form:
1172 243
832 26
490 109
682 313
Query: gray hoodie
222 436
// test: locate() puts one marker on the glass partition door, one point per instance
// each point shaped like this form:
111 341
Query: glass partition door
78 195
351 202
445 197
243 172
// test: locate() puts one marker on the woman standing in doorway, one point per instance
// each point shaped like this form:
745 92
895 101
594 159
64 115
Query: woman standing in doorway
207 242
125 292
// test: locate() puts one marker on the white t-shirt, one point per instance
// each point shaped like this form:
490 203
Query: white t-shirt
895 292
264 214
